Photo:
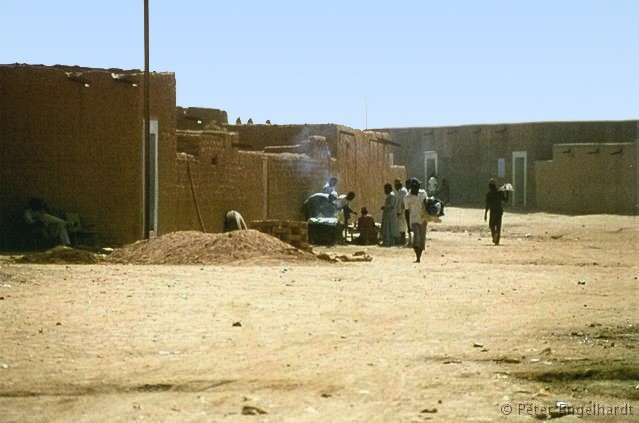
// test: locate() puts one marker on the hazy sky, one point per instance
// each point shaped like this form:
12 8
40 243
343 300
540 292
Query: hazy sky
363 64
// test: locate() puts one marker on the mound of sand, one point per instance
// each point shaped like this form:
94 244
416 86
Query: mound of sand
192 247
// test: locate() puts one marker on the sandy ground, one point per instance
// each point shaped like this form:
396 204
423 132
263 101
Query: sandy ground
475 332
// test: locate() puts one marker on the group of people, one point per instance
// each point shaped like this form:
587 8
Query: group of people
405 215
395 223
408 208
406 212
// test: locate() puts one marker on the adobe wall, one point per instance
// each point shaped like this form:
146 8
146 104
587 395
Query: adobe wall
79 147
589 178
214 176
359 159
362 165
257 137
291 179
467 155
200 118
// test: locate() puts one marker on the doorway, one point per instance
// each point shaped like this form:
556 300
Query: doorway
153 178
520 178
430 164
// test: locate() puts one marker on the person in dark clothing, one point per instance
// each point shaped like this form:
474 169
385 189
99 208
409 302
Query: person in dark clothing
366 228
319 205
494 198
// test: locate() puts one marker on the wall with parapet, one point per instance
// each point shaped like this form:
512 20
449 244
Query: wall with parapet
274 183
589 178
200 118
359 159
468 155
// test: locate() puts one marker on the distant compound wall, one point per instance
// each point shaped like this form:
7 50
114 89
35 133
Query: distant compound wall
589 178
468 156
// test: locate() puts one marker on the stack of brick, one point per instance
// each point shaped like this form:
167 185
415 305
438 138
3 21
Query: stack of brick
290 231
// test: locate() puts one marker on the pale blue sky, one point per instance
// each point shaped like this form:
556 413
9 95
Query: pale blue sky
363 64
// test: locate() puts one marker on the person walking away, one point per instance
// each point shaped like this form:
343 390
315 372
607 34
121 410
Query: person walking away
414 202
494 200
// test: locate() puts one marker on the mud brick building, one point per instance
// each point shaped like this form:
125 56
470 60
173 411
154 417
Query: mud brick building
361 160
567 167
75 137
267 171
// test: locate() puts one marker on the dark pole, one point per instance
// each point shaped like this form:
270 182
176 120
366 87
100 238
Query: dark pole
147 127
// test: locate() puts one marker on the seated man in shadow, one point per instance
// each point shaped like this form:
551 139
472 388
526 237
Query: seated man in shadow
366 228
55 228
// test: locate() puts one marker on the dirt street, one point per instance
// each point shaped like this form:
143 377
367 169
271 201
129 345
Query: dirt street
475 332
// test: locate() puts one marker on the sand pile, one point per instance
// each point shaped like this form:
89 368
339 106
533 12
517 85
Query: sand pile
192 247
